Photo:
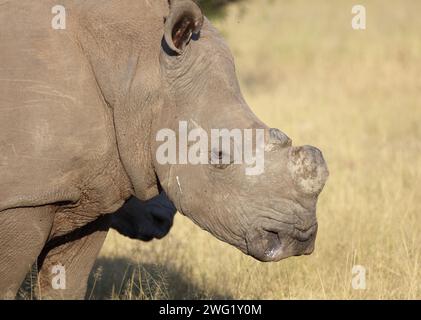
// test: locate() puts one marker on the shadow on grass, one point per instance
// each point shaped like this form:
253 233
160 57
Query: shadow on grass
120 278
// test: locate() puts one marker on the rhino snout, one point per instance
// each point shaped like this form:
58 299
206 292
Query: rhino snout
308 169
277 244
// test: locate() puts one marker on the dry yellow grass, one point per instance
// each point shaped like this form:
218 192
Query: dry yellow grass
354 94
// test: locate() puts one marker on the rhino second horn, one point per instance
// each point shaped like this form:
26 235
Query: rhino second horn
308 169
276 136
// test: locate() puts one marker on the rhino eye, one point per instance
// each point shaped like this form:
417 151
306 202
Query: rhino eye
220 159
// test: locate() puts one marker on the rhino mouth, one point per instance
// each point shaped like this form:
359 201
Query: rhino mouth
270 245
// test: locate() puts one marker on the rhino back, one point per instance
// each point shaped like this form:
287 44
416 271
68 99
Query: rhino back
56 132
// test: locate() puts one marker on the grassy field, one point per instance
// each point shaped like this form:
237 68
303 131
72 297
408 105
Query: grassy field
354 94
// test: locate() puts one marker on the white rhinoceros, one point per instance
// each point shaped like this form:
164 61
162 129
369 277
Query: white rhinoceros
80 108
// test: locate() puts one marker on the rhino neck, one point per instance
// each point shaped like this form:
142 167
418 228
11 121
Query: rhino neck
123 49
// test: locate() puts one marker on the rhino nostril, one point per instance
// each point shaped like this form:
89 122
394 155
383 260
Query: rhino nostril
304 234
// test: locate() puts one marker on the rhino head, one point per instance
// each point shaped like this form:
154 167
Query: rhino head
270 215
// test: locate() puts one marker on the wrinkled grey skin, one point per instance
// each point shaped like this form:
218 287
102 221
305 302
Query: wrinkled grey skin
80 109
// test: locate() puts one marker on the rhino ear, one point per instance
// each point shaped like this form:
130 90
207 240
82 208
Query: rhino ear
184 19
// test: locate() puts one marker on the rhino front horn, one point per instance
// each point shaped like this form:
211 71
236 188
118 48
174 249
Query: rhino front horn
308 169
